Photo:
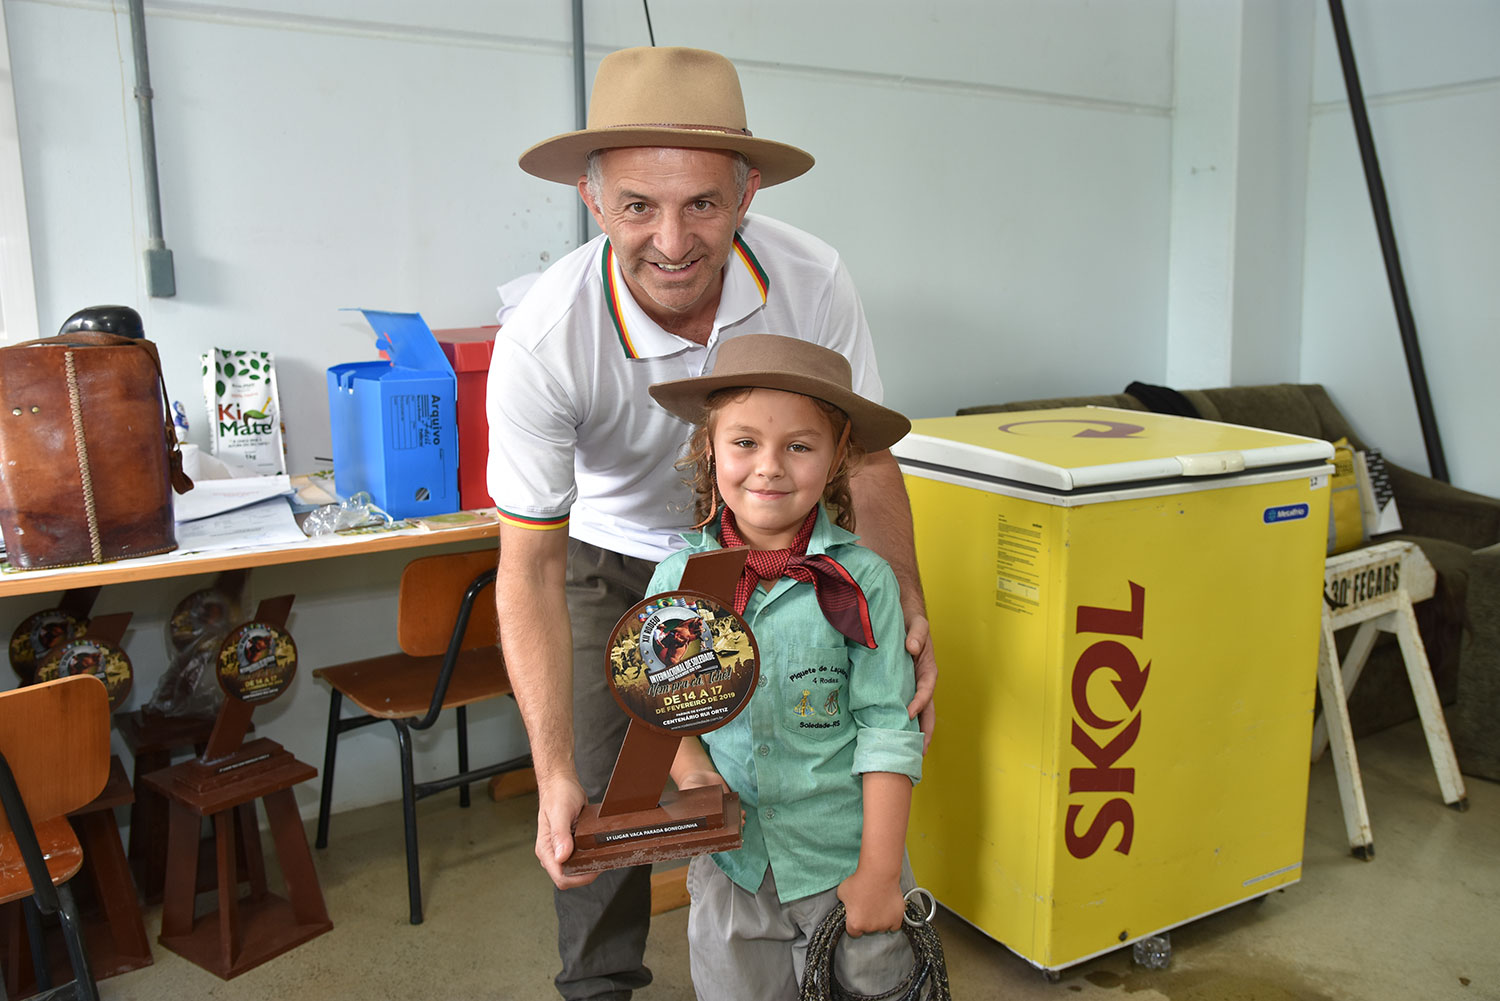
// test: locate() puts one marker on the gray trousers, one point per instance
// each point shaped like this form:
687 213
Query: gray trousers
601 928
747 946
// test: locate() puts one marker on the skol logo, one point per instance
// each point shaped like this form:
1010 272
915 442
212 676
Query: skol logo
1102 741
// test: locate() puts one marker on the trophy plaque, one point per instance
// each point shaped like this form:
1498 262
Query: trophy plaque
92 654
41 631
255 663
681 663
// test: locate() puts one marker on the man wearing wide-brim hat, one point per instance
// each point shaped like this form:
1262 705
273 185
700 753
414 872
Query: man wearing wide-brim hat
581 459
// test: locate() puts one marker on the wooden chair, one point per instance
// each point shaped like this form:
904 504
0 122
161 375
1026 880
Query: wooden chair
54 758
446 629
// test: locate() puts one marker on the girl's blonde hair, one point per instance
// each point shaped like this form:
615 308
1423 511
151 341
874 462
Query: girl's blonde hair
699 464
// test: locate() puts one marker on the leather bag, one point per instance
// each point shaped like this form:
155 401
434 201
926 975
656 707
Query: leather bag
88 456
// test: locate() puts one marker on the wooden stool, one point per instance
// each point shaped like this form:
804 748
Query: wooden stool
223 785
1374 588
239 934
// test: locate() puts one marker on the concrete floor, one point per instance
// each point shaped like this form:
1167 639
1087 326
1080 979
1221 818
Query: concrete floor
1420 921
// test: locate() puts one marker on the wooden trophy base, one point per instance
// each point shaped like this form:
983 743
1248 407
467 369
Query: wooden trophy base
260 762
241 932
698 821
153 739
260 932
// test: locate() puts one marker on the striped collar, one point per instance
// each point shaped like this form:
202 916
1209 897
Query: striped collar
745 290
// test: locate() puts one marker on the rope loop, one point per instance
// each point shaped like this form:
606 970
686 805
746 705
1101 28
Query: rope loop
927 980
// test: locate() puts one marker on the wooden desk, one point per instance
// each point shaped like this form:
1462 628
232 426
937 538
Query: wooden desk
177 564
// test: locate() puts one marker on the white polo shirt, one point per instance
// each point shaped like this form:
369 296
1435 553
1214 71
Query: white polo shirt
576 441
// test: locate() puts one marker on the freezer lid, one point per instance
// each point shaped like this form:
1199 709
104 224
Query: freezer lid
1076 448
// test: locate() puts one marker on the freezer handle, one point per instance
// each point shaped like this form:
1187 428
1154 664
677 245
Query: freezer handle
1211 463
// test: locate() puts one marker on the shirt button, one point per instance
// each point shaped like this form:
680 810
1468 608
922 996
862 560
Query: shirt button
770 814
762 682
764 750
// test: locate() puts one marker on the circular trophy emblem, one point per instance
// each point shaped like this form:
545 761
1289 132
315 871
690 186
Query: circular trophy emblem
682 663
200 612
103 660
256 662
39 633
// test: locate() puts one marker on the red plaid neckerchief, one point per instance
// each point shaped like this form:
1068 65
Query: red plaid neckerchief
840 598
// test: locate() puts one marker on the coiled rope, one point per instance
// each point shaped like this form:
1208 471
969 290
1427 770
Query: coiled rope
928 978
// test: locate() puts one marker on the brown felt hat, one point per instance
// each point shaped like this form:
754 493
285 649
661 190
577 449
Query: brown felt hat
770 361
686 98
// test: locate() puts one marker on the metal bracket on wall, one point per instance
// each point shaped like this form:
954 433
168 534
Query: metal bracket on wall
161 279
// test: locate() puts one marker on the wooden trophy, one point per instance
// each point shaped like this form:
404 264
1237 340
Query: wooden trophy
679 664
155 736
40 631
256 663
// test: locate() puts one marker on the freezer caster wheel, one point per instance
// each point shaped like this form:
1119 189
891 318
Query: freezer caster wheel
1365 852
1154 952
1462 806
1052 976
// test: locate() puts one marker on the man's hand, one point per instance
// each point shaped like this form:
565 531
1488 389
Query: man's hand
884 514
561 800
919 645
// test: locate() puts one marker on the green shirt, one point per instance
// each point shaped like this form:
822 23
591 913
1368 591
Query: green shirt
826 710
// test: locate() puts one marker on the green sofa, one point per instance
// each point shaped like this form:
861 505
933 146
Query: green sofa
1458 531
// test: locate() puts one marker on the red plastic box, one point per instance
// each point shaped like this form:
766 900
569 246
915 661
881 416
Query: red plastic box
468 350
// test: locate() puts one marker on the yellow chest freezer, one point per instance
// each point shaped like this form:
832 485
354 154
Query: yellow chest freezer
1125 610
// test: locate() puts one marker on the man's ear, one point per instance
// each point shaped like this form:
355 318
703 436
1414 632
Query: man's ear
583 192
752 185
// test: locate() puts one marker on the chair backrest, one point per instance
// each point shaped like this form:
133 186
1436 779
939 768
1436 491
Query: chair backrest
431 590
55 737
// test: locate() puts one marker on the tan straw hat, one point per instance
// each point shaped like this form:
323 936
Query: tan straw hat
770 361
664 97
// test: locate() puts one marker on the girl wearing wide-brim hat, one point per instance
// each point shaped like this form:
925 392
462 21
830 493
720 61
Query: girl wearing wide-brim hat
824 756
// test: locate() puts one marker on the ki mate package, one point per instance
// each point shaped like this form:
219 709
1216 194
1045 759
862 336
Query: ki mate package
394 422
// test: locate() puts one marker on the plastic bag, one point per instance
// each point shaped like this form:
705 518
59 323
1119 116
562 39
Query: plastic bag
190 686
196 627
355 511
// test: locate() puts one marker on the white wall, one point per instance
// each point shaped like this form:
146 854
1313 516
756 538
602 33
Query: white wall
1431 77
17 284
1243 76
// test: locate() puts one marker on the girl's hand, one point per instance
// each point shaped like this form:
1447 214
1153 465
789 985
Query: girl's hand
871 903
705 777
699 778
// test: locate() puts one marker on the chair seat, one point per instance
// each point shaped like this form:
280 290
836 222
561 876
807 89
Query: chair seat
398 685
59 847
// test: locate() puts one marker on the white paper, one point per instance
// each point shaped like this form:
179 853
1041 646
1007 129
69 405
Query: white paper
212 497
268 523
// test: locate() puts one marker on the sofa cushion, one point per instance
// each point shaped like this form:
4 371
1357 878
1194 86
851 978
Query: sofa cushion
1283 407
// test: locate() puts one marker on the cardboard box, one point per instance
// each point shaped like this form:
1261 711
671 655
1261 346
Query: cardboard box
394 423
468 350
